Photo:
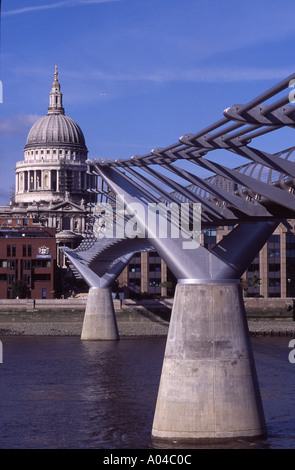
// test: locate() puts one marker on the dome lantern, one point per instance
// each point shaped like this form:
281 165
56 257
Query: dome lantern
55 97
55 128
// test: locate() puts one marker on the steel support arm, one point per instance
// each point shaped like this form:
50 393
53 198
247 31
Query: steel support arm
243 243
194 263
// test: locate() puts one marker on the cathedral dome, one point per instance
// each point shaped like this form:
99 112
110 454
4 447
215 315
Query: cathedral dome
54 165
55 129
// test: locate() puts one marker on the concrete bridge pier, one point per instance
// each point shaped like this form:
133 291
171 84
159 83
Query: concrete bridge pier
100 319
208 389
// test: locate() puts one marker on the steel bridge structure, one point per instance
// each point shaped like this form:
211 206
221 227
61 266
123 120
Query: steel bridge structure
208 388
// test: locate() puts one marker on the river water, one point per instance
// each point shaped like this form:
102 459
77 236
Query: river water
64 393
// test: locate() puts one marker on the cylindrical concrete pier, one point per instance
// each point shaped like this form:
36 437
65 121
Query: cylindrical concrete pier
100 319
208 389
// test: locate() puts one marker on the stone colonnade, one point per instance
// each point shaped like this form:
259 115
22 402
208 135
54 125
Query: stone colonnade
47 180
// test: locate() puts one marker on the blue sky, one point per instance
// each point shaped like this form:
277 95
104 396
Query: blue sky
138 74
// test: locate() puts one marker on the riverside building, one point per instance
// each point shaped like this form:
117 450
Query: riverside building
27 255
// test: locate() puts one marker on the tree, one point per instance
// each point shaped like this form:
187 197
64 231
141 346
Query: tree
254 281
19 289
245 285
169 285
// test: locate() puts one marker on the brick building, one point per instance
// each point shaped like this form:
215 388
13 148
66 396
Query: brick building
27 254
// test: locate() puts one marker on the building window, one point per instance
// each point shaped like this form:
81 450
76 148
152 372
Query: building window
155 267
24 250
13 250
8 250
29 250
275 267
134 269
11 264
10 278
210 238
274 253
27 279
44 293
154 282
42 277
274 239
27 264
66 223
41 263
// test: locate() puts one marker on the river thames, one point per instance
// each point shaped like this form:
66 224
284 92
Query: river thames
64 393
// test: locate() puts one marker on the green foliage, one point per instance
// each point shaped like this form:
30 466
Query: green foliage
254 281
170 286
19 289
167 284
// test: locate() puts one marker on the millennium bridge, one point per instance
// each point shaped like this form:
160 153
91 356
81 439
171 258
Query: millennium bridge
160 201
